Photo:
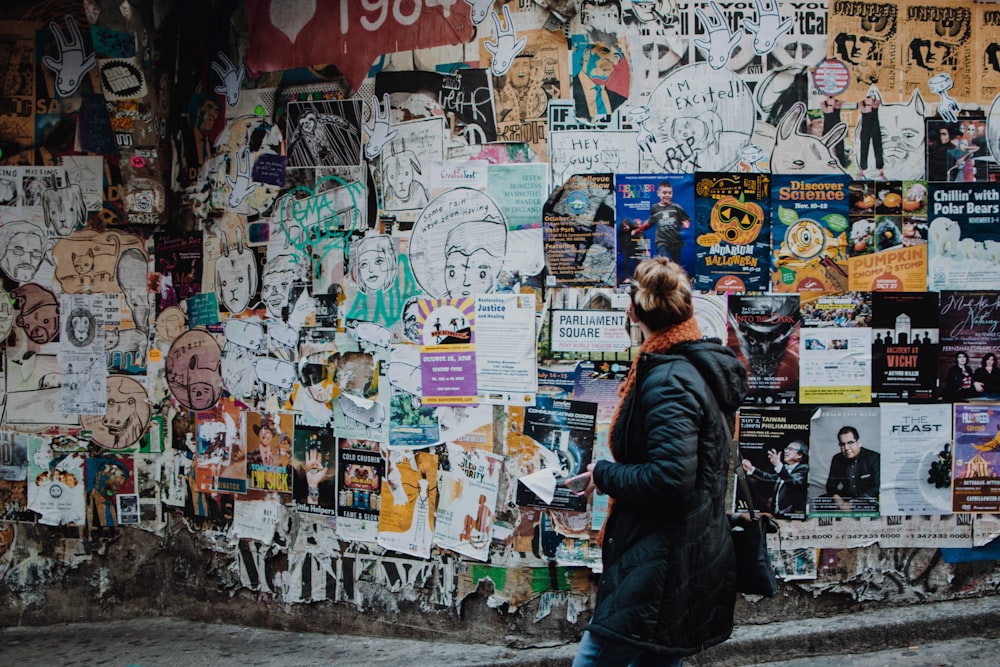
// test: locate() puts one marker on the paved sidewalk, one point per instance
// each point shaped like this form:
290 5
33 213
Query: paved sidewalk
966 633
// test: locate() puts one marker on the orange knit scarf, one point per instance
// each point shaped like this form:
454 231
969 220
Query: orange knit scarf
658 342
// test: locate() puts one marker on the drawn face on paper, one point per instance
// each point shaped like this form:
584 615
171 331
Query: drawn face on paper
39 313
401 174
411 321
275 286
376 264
169 324
6 314
476 273
194 370
80 327
127 417
519 75
23 252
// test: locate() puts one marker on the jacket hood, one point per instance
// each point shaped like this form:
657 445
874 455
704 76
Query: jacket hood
723 372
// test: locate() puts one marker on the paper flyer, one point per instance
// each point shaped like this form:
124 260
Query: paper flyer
970 345
774 453
565 431
964 236
764 334
314 470
506 359
58 487
835 365
269 451
579 232
809 233
905 345
467 498
845 462
654 217
448 352
408 501
888 236
916 461
360 468
975 482
411 424
733 232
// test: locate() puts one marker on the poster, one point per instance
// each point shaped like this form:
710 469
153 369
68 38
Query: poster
654 218
408 501
506 356
975 482
521 190
269 451
565 431
411 424
916 461
314 470
970 343
845 468
448 352
809 233
58 487
578 227
733 232
905 345
221 462
888 236
590 331
964 248
467 493
867 37
359 472
774 453
764 334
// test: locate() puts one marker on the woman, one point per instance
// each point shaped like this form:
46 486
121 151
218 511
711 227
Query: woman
986 378
668 587
958 383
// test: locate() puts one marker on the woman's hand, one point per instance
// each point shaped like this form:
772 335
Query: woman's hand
591 486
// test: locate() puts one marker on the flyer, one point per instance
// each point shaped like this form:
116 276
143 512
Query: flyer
774 453
970 344
964 231
565 431
905 345
845 462
506 359
809 233
654 218
916 461
764 334
467 499
447 355
360 469
733 232
888 236
314 470
579 236
835 365
975 482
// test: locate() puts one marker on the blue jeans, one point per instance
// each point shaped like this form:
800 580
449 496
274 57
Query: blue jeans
596 651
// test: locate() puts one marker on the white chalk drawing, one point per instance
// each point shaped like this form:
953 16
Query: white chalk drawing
798 153
373 263
231 78
507 45
242 186
458 244
73 62
721 40
379 132
236 274
768 27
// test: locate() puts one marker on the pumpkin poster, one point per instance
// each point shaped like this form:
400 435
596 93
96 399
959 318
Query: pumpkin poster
733 232
809 233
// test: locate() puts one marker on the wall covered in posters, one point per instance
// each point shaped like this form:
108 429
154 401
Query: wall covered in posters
362 316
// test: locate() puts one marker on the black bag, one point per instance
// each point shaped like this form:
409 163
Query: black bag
754 573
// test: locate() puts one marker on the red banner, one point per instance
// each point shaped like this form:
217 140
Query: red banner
285 34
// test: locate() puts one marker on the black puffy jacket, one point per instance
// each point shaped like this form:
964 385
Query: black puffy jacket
668 583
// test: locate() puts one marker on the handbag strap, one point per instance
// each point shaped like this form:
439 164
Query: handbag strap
743 486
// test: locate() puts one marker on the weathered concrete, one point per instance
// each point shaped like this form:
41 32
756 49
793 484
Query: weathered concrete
901 635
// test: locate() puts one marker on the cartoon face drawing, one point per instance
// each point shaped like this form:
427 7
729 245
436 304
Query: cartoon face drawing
373 265
23 247
64 209
39 313
6 314
279 274
127 417
80 327
194 370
